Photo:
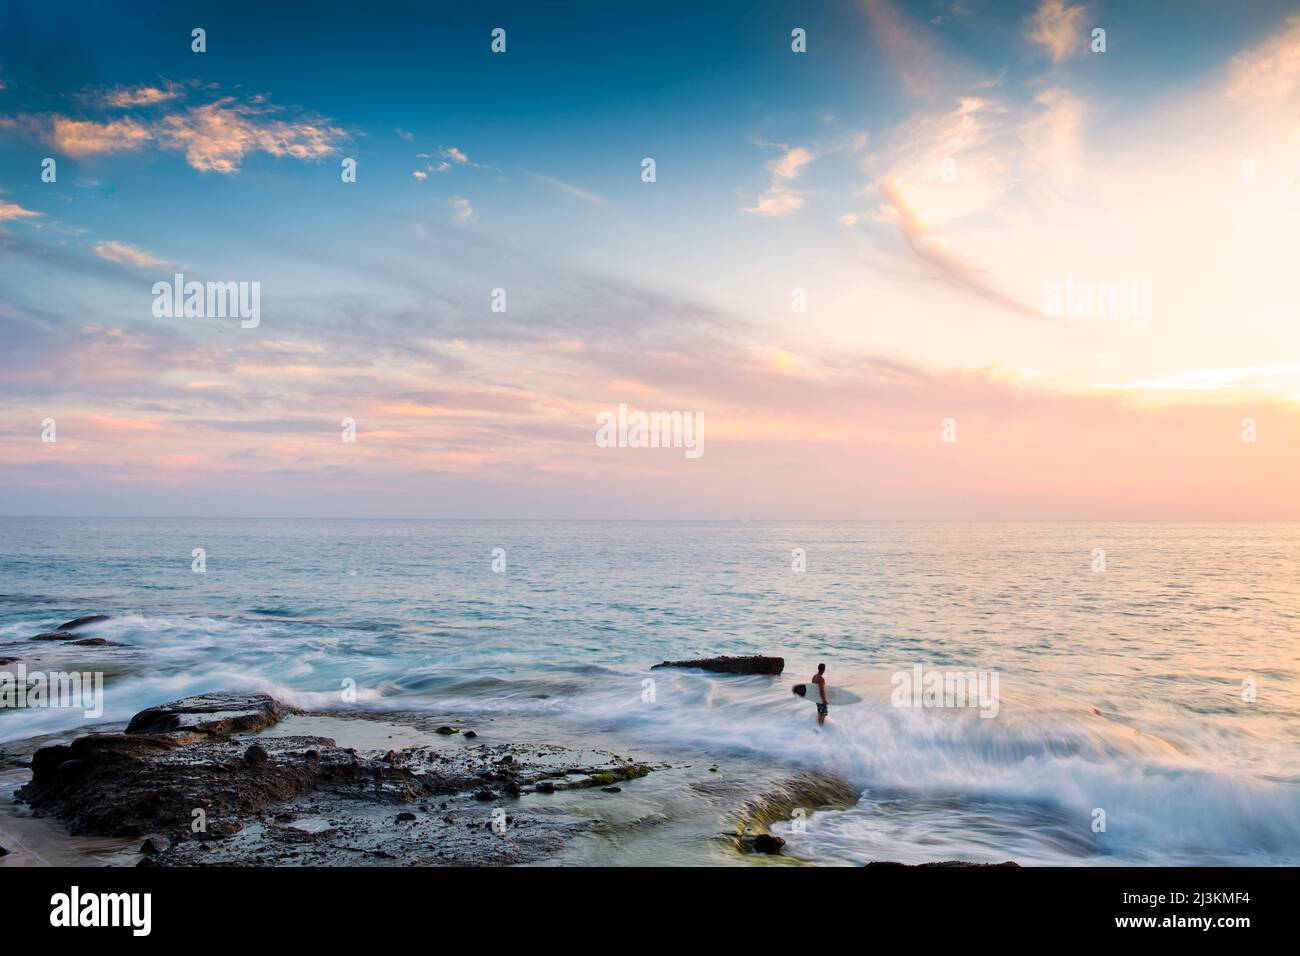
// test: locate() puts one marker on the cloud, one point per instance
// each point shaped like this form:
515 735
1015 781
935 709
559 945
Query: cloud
420 174
12 211
569 188
925 69
406 134
80 138
454 155
1214 379
127 254
776 202
1270 71
215 137
126 97
779 199
461 210
218 136
1058 28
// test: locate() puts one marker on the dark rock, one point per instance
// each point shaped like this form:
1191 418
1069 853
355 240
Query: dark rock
256 755
612 789
216 714
485 794
731 665
54 636
97 642
767 843
405 817
545 786
7 660
470 734
155 844
445 731
3 851
77 622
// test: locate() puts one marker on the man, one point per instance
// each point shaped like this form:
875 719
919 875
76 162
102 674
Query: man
824 705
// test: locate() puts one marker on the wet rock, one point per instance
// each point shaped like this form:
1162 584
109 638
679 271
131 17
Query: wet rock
256 755
470 735
214 714
77 622
485 794
731 665
3 851
445 731
7 660
54 636
97 642
612 789
767 843
405 817
154 844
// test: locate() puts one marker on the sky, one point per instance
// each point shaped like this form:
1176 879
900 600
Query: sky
954 260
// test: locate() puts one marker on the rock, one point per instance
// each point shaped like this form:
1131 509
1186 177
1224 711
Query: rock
485 794
155 844
731 665
97 642
469 734
545 786
405 817
7 660
256 755
54 636
612 789
77 622
445 731
214 714
3 851
767 843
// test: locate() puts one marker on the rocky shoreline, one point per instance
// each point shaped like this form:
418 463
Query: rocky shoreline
200 783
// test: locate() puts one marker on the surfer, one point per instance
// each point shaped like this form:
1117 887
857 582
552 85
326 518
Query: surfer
823 705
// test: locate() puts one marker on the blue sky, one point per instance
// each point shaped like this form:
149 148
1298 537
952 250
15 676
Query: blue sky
775 171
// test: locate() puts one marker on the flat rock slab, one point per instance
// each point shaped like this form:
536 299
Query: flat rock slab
732 665
211 714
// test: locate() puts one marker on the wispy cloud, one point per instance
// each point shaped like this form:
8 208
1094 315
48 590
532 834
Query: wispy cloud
779 199
11 211
1058 28
122 252
461 210
569 188
126 97
1215 379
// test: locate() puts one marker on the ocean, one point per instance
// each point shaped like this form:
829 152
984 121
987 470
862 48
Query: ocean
1147 675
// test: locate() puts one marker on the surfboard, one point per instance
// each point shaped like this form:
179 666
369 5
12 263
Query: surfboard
834 695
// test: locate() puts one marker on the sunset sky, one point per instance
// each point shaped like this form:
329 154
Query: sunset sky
924 173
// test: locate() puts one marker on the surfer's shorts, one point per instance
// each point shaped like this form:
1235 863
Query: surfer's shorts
823 710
